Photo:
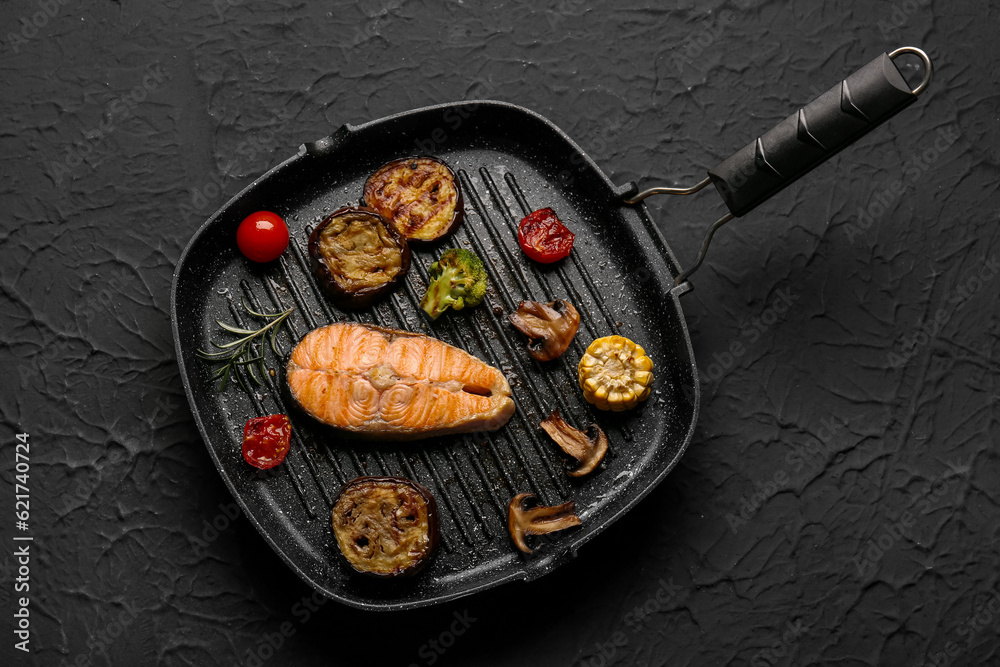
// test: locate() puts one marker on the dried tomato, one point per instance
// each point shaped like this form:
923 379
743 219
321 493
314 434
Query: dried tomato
543 237
266 440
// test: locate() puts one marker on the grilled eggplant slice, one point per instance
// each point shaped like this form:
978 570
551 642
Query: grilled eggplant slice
386 526
357 256
419 195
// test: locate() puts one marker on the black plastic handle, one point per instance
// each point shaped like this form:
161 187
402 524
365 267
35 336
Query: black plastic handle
821 129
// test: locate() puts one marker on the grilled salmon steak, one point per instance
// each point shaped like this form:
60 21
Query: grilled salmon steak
395 385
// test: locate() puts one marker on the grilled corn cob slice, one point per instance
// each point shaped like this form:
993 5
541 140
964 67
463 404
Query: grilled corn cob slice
615 373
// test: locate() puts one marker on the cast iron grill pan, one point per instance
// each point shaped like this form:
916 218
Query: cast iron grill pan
509 161
619 276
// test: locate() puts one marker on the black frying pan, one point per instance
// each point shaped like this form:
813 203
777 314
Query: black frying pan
621 276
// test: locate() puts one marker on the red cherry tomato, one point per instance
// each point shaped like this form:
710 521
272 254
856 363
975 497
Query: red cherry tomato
543 237
265 440
262 236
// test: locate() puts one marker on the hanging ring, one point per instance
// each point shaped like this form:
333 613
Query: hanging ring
928 70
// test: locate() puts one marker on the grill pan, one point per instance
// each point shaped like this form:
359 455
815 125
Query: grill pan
621 276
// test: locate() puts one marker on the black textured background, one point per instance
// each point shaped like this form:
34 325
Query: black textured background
835 412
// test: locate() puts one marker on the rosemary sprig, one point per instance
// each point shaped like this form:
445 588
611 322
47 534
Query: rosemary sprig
245 352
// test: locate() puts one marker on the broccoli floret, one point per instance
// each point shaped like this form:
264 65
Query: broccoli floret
458 280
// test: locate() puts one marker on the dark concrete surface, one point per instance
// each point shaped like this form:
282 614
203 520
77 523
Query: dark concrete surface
839 502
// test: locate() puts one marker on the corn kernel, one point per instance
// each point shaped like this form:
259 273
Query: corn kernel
645 378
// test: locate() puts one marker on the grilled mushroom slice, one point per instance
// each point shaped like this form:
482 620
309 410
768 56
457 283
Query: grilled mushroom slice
357 256
587 448
419 195
386 526
537 520
549 326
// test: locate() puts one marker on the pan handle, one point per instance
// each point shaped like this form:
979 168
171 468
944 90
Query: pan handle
810 136
816 132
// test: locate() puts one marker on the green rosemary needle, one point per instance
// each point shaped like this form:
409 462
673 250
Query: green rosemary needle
246 352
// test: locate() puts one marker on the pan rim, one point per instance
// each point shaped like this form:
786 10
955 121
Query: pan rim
539 566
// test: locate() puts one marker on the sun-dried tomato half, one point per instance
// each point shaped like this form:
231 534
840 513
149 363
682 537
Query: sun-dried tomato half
543 237
265 440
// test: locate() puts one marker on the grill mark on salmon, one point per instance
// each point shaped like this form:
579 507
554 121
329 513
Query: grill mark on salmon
395 385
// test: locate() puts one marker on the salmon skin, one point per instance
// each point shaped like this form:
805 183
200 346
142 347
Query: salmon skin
395 385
